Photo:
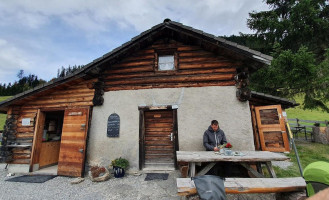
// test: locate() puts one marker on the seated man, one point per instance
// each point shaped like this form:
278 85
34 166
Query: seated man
213 137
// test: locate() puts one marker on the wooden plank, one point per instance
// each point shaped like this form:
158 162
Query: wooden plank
174 79
58 105
134 63
255 129
132 69
171 73
270 169
21 151
21 156
20 161
109 87
208 65
72 151
161 142
186 186
205 169
61 100
210 156
37 138
49 153
253 171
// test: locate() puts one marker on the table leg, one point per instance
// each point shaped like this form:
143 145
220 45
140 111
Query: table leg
270 169
192 169
259 168
254 172
206 169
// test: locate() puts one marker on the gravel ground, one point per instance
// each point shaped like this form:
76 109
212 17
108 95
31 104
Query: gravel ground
282 164
129 187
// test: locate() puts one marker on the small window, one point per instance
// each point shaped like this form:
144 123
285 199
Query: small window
166 62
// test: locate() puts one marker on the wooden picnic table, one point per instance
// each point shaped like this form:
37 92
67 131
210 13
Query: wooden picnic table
247 158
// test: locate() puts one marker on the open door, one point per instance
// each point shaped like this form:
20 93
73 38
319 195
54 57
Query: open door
73 145
272 130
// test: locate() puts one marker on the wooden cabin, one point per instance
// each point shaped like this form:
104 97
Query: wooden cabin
143 101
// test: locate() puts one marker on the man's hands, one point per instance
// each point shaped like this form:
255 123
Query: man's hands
216 149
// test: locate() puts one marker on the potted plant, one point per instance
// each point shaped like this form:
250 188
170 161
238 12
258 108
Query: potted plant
119 166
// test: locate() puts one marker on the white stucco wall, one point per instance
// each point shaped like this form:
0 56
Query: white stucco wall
196 108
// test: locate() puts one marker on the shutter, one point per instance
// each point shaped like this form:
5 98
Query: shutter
272 130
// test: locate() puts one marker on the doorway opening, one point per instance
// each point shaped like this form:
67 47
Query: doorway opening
49 141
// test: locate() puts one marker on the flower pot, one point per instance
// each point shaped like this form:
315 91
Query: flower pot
118 172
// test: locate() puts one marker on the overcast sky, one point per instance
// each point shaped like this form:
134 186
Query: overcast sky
40 36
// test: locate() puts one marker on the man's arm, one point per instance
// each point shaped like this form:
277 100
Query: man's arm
206 142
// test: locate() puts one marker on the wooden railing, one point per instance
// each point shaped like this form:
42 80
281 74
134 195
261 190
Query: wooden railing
300 126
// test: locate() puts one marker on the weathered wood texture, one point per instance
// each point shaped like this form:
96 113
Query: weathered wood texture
159 148
49 153
271 127
255 128
187 187
210 156
73 142
70 95
195 68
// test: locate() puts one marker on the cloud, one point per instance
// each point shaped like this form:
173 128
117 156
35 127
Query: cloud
12 60
41 36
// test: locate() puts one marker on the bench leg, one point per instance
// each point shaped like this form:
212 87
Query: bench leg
192 169
270 169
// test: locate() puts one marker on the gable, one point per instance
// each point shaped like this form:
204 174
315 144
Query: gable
186 75
195 67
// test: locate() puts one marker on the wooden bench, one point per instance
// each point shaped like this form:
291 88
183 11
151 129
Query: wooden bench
186 186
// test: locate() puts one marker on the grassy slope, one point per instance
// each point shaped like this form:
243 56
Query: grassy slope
298 112
3 116
308 153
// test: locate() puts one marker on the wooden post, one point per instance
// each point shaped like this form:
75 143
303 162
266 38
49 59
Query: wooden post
270 169
192 169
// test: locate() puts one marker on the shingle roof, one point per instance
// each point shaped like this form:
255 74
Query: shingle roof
283 101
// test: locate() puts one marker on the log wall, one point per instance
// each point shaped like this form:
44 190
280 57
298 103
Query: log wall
77 95
195 67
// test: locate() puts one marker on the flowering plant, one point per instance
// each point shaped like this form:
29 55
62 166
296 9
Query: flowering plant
228 145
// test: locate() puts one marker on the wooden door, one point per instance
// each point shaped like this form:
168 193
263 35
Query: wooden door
159 139
271 127
73 142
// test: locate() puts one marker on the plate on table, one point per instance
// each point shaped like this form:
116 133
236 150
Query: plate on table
237 153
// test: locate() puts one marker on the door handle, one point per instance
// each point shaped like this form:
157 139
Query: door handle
171 136
81 150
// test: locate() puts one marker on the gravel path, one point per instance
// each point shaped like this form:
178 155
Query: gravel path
129 187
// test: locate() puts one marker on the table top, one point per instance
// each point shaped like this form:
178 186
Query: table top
211 156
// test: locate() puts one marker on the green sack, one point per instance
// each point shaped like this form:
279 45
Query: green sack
316 176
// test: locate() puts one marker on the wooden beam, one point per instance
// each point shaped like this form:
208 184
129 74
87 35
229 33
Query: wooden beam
270 169
206 169
186 186
254 172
